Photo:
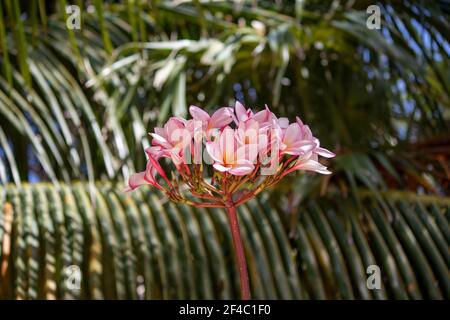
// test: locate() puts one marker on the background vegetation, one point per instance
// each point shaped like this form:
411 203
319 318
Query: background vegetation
76 106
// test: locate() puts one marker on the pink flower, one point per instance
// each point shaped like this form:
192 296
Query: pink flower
307 134
221 118
146 177
283 123
228 156
141 178
241 114
172 135
308 162
264 117
155 152
173 138
296 140
249 133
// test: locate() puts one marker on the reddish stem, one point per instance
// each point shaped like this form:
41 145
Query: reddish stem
204 204
239 251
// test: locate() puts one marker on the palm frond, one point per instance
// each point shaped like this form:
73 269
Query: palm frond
137 246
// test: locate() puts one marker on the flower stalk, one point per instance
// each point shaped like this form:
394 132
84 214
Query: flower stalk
239 252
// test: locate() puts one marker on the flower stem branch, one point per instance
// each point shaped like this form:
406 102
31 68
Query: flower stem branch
203 204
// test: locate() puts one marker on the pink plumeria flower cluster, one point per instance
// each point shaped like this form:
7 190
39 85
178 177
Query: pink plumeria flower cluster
228 156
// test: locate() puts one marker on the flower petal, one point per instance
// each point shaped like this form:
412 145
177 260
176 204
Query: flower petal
261 116
241 170
264 116
199 114
173 124
160 141
156 152
247 152
146 177
283 122
306 133
311 165
227 145
292 134
240 111
136 180
160 131
221 118
177 159
324 152
150 173
220 167
300 147
214 152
